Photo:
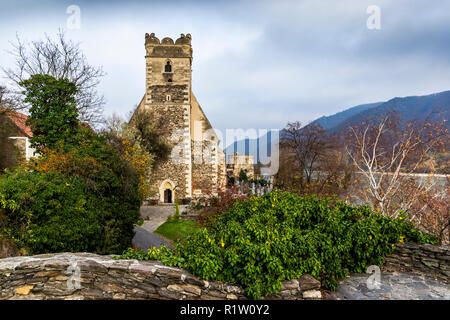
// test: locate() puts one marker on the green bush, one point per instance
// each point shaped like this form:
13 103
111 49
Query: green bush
264 240
53 112
82 200
79 195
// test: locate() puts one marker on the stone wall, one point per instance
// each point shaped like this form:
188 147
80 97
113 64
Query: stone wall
430 260
90 276
238 162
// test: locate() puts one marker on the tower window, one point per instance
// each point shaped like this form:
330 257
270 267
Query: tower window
169 80
168 67
168 97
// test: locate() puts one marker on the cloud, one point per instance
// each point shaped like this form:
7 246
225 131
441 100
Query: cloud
258 63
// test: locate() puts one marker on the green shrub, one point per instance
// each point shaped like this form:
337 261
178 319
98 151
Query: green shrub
53 112
51 212
79 195
85 199
264 240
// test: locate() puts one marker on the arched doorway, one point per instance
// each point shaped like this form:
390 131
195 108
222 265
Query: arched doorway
167 192
167 196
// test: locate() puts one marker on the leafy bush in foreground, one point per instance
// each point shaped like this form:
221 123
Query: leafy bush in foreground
80 194
84 199
264 240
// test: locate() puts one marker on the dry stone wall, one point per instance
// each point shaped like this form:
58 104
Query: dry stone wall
430 260
90 276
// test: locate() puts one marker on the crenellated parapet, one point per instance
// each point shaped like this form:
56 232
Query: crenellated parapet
151 39
167 47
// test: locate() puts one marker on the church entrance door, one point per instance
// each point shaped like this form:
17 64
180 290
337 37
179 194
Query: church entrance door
167 196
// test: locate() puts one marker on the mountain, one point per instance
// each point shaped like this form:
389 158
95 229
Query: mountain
433 108
252 146
328 122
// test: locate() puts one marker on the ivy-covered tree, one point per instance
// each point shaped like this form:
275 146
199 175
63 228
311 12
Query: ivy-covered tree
53 114
61 58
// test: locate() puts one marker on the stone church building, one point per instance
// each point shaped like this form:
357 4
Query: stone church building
196 167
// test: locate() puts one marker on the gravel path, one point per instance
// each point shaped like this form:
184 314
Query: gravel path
393 286
153 216
145 240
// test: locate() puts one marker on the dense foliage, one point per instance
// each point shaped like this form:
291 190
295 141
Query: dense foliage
9 154
262 241
53 112
150 131
79 195
120 135
82 200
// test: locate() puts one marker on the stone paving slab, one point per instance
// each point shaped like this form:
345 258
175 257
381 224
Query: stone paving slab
393 286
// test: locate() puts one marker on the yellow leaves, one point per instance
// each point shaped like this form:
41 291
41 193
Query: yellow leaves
139 161
209 239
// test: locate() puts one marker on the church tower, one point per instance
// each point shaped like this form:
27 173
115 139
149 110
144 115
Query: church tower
169 95
168 87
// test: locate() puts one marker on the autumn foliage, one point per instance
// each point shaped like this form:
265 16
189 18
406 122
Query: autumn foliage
80 194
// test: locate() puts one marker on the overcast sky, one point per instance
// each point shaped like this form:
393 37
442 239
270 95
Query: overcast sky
257 64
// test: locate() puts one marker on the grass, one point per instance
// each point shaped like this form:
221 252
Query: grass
177 229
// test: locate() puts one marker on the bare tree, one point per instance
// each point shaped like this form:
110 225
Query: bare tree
7 103
60 58
387 157
306 145
433 213
2 95
311 161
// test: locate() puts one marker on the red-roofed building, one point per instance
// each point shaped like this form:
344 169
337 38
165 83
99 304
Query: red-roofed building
19 131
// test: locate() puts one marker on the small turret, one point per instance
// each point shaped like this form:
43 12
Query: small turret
151 39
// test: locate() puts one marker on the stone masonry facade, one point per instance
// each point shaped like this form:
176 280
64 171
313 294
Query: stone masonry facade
196 166
237 163
85 276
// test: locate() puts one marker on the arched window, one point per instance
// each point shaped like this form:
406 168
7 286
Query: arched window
168 67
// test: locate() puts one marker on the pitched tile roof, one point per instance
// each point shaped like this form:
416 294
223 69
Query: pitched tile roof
19 119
